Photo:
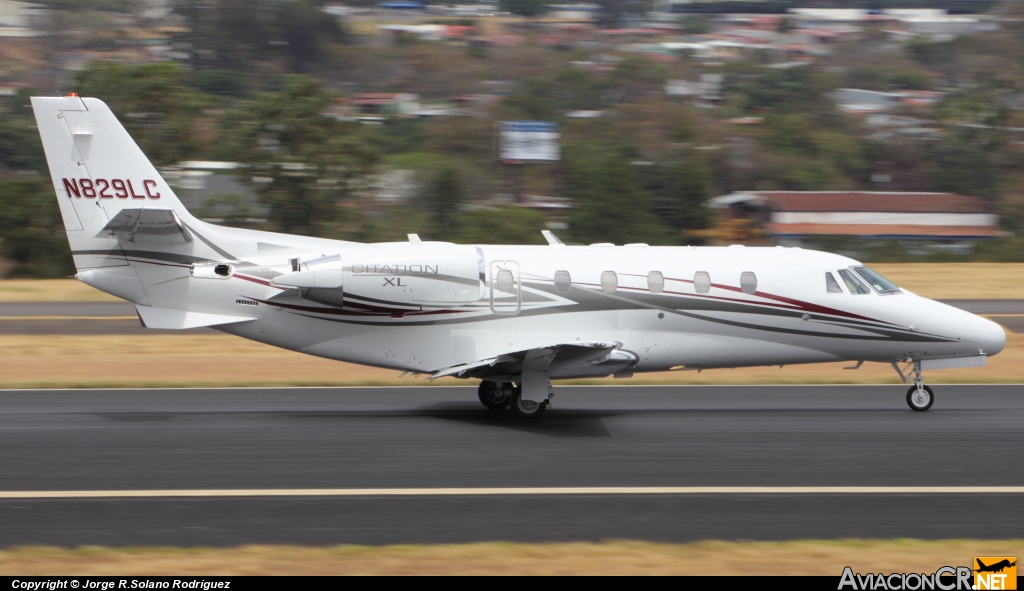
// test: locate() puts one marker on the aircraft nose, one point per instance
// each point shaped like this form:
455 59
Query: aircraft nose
991 337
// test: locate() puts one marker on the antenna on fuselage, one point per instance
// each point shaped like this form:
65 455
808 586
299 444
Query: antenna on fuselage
551 238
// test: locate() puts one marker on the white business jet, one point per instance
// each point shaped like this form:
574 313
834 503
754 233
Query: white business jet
515 317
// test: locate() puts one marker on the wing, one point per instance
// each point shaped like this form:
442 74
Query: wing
566 360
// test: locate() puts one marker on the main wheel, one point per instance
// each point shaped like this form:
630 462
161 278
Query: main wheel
920 399
526 409
494 395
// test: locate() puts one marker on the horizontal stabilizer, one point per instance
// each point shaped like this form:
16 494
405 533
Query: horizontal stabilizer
147 225
179 319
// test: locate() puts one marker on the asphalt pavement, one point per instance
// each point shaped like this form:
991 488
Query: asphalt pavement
430 465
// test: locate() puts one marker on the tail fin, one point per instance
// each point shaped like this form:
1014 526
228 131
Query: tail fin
98 171
114 203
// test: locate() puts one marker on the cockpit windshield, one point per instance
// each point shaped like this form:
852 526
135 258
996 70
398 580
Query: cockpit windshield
852 283
876 281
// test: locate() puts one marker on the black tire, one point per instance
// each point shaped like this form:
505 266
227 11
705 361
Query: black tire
920 401
526 409
494 395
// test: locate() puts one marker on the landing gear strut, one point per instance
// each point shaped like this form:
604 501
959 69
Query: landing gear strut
919 397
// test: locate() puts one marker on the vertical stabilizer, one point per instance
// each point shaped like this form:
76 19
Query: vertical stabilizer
98 171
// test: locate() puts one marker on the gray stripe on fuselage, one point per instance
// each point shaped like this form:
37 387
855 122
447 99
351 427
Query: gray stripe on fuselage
144 254
593 297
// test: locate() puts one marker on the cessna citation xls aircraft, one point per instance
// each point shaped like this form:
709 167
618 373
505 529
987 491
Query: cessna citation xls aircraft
515 317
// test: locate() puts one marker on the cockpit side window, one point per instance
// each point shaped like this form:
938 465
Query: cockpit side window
852 283
831 285
876 281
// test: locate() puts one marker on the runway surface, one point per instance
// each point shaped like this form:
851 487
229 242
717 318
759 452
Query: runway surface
84 318
398 439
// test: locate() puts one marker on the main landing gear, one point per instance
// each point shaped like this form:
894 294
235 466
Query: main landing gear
526 409
919 397
495 395
528 404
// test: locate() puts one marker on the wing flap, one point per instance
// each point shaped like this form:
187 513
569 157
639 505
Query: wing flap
566 360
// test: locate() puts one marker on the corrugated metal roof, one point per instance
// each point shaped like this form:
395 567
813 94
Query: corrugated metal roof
872 201
883 230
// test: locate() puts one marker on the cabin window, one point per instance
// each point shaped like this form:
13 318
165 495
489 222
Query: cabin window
852 283
748 282
876 281
702 282
505 281
655 282
609 281
562 281
831 285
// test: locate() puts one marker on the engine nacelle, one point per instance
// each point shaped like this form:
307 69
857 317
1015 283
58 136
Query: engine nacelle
402 275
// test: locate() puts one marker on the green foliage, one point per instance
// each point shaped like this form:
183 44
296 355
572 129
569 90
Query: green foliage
963 162
444 194
228 83
20 148
506 224
637 77
609 203
110 5
1000 250
152 101
932 53
526 8
314 163
401 135
237 34
32 231
229 210
695 24
305 30
791 90
679 192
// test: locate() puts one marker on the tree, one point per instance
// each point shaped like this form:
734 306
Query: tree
155 103
313 163
32 230
964 163
20 148
444 195
609 204
237 34
679 192
508 224
527 8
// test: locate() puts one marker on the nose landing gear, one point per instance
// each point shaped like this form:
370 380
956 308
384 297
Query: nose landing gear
919 397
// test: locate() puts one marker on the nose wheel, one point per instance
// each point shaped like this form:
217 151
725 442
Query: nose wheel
920 398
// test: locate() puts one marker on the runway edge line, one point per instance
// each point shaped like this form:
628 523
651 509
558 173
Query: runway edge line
538 491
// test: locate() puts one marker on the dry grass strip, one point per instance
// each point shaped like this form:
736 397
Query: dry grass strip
93 361
606 558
